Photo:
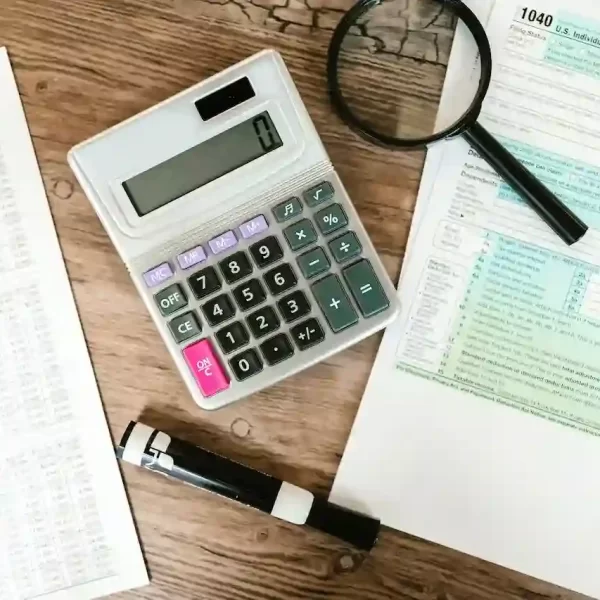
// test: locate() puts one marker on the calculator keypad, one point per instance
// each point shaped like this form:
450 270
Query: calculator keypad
280 279
331 219
235 267
246 364
365 288
295 306
249 294
205 282
335 303
307 334
300 235
345 247
277 349
287 210
319 194
206 368
218 310
232 337
293 286
313 263
266 252
171 299
263 322
185 327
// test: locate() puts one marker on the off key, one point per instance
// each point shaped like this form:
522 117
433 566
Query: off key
204 364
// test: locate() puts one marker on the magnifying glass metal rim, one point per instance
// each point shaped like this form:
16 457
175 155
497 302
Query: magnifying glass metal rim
363 128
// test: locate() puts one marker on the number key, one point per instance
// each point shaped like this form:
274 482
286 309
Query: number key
294 306
219 309
232 337
263 321
236 267
280 279
249 294
266 252
205 282
246 364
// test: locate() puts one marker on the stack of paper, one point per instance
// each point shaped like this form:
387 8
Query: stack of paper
480 425
66 531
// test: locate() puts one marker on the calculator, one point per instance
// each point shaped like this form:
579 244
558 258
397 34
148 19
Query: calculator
237 231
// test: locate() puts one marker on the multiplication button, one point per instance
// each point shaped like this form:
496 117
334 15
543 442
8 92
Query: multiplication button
335 304
366 288
300 235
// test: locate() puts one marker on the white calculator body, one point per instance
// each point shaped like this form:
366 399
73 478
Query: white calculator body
237 232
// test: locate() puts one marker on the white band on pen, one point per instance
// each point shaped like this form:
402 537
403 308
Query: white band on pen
136 443
293 504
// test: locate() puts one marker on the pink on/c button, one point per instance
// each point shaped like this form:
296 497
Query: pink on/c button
206 368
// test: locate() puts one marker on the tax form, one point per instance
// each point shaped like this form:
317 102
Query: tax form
490 440
66 531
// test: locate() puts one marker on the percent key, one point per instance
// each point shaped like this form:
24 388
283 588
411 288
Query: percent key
331 219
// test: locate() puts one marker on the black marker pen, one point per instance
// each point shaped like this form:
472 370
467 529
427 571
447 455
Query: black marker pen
155 450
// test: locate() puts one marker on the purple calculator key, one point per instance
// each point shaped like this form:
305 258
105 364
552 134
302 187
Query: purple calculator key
254 227
158 274
223 242
191 257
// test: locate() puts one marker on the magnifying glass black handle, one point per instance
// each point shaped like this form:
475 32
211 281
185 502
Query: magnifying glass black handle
559 217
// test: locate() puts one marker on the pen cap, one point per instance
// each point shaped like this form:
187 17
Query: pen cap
356 529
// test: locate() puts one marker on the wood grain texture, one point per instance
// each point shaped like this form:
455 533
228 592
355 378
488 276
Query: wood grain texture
84 66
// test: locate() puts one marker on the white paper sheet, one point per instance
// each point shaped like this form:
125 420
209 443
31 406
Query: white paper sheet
489 441
66 531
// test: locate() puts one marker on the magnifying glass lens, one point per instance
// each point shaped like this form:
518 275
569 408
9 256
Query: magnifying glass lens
392 67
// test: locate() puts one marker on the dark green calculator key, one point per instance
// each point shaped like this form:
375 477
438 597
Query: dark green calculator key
313 263
300 234
331 219
288 210
365 288
319 193
345 247
334 302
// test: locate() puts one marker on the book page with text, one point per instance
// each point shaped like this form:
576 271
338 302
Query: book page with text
66 530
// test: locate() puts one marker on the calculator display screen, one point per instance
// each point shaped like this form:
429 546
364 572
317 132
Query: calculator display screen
203 163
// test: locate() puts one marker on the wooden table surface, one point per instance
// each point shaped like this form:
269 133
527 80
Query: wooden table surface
84 65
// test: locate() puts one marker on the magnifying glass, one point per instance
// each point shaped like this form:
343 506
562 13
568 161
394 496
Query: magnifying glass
385 70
